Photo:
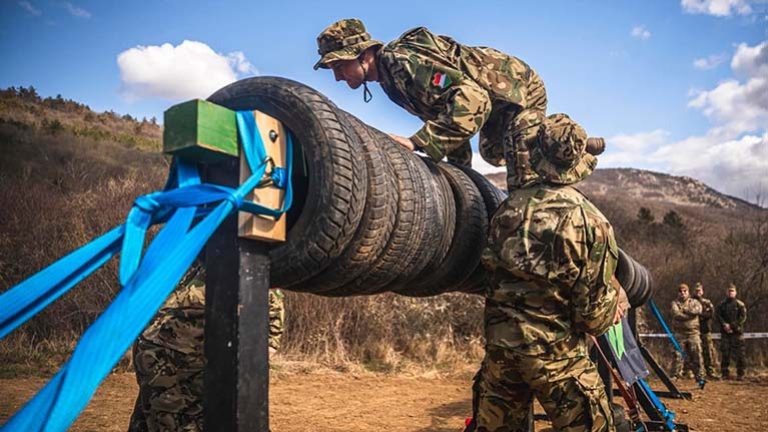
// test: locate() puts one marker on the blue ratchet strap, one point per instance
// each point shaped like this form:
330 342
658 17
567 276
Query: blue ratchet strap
663 323
25 300
669 416
146 282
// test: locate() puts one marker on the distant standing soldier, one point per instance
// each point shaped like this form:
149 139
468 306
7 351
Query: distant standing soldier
685 314
705 328
732 314
169 359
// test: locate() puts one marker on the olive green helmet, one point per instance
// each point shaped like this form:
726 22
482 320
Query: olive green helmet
343 40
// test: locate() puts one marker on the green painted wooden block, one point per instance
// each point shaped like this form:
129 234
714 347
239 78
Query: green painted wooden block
200 130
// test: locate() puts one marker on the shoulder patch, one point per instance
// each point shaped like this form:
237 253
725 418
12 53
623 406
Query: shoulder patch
441 80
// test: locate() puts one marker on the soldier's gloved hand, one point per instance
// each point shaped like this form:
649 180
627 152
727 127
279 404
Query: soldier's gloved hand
403 141
727 328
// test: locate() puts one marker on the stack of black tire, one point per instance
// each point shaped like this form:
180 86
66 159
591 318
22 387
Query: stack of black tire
368 216
635 279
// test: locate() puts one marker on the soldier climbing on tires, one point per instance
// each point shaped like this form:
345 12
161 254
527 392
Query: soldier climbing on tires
546 239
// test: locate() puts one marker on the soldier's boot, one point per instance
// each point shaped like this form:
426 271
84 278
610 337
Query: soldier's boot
701 382
711 374
725 374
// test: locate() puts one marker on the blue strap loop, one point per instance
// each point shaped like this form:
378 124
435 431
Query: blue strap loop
279 177
146 281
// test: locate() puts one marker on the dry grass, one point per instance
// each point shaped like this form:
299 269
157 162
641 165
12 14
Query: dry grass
61 187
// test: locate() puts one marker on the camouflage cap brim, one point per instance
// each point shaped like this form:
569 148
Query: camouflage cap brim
347 53
557 174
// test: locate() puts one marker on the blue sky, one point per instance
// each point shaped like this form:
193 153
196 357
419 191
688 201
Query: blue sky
664 80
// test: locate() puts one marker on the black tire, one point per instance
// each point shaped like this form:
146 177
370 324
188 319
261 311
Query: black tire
377 221
445 225
429 227
468 242
647 289
640 284
625 273
322 225
493 197
409 206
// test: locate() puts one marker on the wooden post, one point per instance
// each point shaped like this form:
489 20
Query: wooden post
236 396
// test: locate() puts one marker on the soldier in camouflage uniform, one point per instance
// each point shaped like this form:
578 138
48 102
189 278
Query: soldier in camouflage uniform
457 90
552 256
732 314
685 323
705 329
553 263
169 360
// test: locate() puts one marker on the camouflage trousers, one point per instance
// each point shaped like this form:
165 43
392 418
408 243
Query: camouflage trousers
508 133
691 346
708 354
169 359
732 346
567 386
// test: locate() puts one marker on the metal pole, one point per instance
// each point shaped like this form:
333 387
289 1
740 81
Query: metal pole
236 395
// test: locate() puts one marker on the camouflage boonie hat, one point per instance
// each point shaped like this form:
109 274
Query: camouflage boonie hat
343 40
559 153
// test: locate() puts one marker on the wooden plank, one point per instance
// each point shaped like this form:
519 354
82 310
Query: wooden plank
259 227
200 130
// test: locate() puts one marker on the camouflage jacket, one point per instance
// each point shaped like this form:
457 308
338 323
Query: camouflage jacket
707 313
685 316
179 324
734 313
552 259
453 88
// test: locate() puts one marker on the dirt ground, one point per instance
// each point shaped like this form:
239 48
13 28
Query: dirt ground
321 401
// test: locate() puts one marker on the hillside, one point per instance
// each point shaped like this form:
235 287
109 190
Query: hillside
648 187
68 174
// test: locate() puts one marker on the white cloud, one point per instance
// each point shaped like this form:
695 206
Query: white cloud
483 167
717 7
76 11
751 61
189 70
733 155
709 62
631 149
734 166
735 106
29 7
640 32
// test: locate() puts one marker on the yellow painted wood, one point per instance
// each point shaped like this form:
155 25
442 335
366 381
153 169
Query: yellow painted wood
260 227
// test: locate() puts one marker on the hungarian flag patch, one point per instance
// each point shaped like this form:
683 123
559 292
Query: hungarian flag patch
441 80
